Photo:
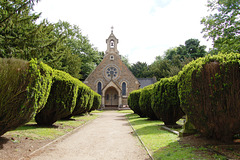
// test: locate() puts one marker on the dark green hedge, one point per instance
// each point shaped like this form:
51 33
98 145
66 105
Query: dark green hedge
209 95
96 101
83 98
62 99
24 89
145 102
133 102
165 101
90 102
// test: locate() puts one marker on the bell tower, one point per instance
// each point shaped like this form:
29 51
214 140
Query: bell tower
112 42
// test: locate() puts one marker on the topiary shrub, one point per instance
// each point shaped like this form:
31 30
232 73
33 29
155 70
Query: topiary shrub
133 102
145 102
61 101
82 100
90 102
84 93
96 101
165 101
209 94
24 89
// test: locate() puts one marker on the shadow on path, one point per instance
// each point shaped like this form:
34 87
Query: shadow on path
3 141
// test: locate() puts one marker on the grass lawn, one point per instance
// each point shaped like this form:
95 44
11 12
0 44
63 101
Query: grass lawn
165 145
32 131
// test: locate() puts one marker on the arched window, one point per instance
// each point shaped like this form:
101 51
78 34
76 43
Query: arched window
124 89
99 88
112 44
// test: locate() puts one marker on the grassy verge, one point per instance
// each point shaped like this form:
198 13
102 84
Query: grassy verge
126 111
32 131
165 145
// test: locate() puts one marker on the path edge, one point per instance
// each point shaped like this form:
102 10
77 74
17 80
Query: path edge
58 139
149 154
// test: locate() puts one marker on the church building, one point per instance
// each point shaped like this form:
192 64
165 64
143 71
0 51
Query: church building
111 78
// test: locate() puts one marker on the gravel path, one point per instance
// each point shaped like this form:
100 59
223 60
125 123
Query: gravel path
108 137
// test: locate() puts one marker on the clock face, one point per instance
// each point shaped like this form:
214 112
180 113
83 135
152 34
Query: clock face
111 73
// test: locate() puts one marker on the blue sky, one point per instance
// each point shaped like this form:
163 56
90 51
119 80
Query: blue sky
145 28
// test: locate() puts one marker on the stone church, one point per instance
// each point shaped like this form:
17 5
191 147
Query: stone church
111 78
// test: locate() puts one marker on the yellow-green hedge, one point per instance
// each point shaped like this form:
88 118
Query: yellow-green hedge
24 90
165 101
133 102
145 101
209 95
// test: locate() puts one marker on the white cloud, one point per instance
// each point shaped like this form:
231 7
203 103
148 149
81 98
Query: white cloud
145 29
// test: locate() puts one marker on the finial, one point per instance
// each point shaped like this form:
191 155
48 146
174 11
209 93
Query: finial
112 29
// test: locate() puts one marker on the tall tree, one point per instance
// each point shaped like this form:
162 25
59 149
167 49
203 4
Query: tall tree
140 70
191 49
60 45
223 26
80 48
160 68
20 36
194 49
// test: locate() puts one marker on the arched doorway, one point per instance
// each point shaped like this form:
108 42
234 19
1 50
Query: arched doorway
111 97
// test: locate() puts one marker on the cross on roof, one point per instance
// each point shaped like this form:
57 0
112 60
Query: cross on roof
112 28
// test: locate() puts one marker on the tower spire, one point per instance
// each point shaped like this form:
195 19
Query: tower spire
112 42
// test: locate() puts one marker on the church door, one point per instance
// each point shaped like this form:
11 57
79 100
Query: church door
111 97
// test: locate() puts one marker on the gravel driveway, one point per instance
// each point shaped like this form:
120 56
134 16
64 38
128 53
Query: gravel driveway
108 137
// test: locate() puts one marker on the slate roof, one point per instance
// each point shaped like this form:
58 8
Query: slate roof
146 81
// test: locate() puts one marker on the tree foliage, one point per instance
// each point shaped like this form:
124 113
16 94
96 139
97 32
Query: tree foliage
223 25
172 62
140 70
19 35
80 46
191 49
62 46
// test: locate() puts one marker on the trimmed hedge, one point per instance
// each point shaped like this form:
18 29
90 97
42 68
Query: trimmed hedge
145 102
25 87
96 101
133 102
82 100
90 102
165 101
62 99
209 94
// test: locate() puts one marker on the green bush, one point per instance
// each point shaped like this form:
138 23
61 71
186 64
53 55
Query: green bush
83 98
145 102
209 95
25 87
133 102
90 102
62 99
96 101
165 101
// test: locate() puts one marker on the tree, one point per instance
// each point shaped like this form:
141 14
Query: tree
191 49
194 49
160 68
140 70
20 36
223 27
80 46
62 46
